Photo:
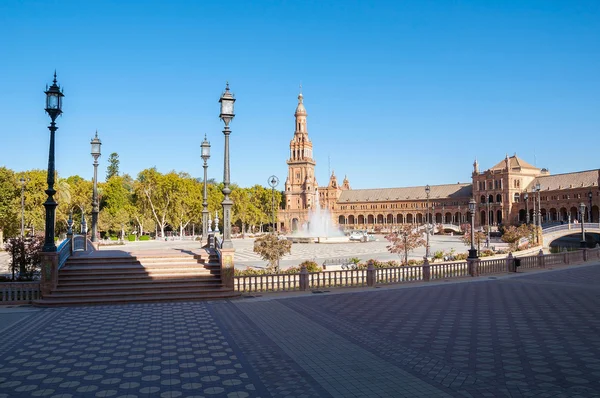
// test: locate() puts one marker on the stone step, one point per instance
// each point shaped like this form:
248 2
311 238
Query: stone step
139 288
216 294
117 267
133 292
139 276
133 281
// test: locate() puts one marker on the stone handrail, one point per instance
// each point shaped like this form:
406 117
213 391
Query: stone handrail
64 252
391 275
19 292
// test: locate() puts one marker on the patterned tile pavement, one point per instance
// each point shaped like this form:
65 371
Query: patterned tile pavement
536 335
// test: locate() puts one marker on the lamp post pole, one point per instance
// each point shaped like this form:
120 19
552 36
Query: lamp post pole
54 97
581 216
487 242
590 196
472 250
96 144
526 197
227 100
22 180
205 154
538 188
427 191
273 182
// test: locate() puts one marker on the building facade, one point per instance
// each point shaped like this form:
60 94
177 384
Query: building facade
511 192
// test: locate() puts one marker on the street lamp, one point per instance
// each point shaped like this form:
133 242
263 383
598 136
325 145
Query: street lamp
487 242
590 196
582 212
22 180
205 154
427 191
539 207
96 144
54 97
472 250
226 116
273 182
526 197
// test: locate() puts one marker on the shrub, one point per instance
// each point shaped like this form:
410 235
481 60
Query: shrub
461 256
131 238
311 266
438 255
145 237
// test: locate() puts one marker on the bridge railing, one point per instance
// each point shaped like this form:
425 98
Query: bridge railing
19 292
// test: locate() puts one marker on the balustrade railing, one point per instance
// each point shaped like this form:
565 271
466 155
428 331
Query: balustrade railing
494 266
64 252
343 278
389 275
449 270
266 283
399 274
19 292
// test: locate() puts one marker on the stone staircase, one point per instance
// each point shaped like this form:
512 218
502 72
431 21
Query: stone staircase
137 278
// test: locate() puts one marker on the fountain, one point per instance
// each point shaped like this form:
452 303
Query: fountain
320 227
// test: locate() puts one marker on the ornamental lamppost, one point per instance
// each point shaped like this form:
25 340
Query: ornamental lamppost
226 116
273 182
538 188
54 97
582 213
487 242
205 150
427 191
472 250
22 180
526 197
590 196
96 144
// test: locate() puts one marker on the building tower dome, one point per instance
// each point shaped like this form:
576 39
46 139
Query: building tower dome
300 110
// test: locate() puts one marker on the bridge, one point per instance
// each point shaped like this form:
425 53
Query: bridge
552 233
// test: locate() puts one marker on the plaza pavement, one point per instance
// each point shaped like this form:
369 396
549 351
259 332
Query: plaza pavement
529 334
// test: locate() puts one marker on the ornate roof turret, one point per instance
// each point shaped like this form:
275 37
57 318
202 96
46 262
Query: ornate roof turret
300 110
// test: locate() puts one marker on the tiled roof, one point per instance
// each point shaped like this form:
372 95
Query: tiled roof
566 181
410 193
515 162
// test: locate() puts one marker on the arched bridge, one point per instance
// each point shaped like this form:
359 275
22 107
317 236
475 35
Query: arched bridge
550 234
451 227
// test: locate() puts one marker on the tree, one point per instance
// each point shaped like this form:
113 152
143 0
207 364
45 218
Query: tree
113 166
9 194
512 235
270 248
187 201
25 256
157 190
116 204
480 236
404 241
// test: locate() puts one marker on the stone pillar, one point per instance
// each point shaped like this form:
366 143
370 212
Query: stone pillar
227 267
371 274
510 263
585 255
473 265
566 258
303 278
426 270
540 259
49 261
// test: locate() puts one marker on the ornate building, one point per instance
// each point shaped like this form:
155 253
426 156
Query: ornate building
505 194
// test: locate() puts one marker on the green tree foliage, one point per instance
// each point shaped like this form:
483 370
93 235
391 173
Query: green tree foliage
153 200
9 202
113 166
270 248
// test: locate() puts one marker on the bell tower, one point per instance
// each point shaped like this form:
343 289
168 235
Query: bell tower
301 188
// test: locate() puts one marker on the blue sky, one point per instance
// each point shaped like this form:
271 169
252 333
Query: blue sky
398 93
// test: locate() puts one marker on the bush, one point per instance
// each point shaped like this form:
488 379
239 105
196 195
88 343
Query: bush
461 256
131 238
113 237
438 255
145 237
311 266
25 256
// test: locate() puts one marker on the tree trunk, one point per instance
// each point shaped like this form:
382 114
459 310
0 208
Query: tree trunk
1 236
162 230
